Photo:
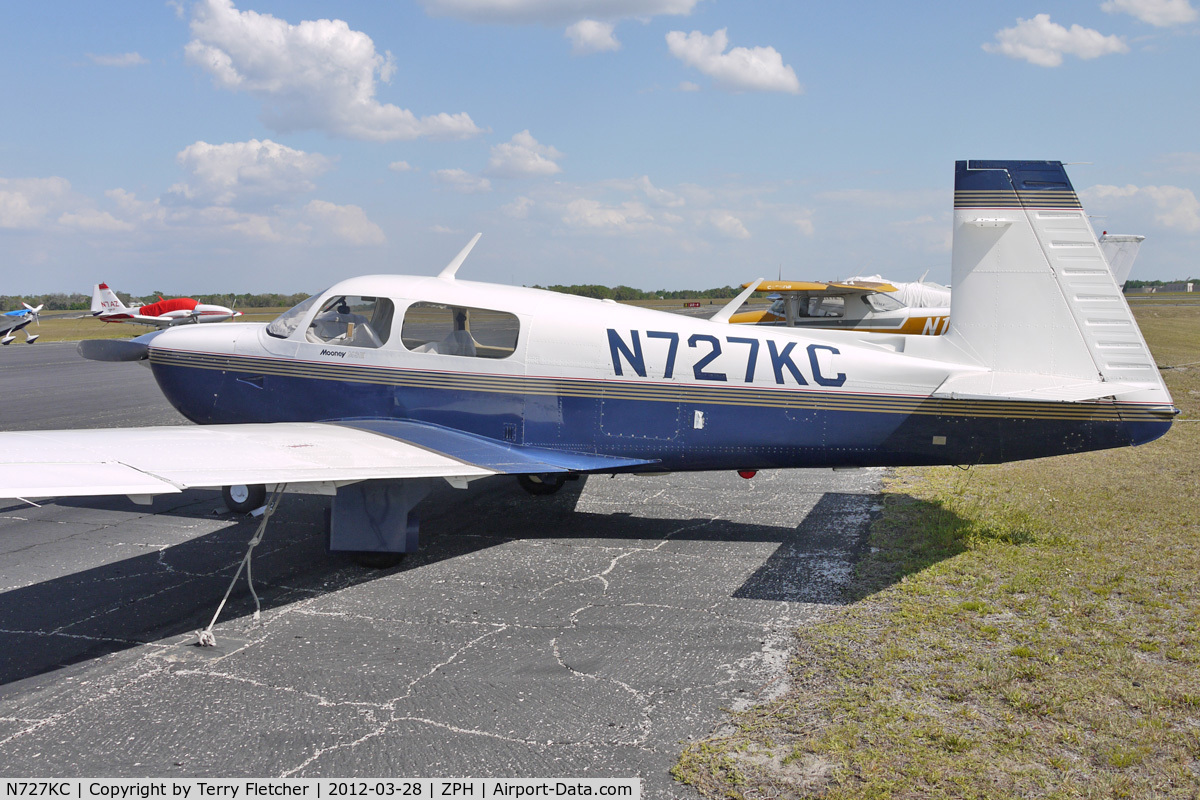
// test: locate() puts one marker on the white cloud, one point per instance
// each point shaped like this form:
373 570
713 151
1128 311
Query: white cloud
1173 207
443 229
462 181
628 217
589 36
519 208
118 60
729 225
1162 13
688 86
226 173
523 157
1044 43
757 69
554 12
400 166
318 75
804 224
26 202
89 219
348 224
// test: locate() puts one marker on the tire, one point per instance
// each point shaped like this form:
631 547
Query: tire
376 560
544 484
242 499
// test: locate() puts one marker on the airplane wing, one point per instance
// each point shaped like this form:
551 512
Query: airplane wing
833 289
165 460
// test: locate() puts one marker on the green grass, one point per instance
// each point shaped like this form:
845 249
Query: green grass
1019 630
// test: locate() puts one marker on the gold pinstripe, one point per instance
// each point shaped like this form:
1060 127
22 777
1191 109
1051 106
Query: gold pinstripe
1054 198
789 398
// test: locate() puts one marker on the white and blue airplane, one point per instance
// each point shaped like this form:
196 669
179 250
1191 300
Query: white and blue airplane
374 388
13 321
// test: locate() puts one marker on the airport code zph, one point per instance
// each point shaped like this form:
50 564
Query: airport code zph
188 789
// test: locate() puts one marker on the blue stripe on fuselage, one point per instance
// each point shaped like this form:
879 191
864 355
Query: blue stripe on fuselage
608 420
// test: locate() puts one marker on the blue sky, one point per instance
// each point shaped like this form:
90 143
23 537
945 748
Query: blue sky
268 146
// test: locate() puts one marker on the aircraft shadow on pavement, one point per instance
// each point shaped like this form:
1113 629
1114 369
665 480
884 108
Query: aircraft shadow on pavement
172 592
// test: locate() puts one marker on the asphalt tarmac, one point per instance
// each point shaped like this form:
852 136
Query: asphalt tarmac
586 634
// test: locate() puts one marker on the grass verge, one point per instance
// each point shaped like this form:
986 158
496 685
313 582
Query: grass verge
1019 630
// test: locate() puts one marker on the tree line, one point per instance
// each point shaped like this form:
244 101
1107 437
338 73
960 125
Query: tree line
83 302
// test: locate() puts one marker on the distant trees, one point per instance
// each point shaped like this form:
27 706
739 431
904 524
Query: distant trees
625 293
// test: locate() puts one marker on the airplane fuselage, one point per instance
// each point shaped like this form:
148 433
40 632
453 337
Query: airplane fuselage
593 376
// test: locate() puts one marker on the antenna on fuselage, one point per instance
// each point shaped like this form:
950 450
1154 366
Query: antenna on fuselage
452 267
733 305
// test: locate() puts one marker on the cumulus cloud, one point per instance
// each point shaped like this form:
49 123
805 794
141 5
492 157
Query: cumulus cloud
317 75
1161 13
1173 207
462 181
347 224
400 166
1044 43
729 225
237 171
628 217
742 69
523 157
90 219
554 12
519 208
118 60
25 203
592 22
589 36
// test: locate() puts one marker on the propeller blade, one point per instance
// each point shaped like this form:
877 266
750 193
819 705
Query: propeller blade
114 350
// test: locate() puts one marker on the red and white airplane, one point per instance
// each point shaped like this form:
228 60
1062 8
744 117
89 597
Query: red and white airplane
107 307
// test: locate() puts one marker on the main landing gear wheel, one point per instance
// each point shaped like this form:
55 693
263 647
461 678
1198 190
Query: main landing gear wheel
243 499
547 483
376 560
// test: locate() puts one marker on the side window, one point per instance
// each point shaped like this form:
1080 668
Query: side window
459 331
350 321
826 306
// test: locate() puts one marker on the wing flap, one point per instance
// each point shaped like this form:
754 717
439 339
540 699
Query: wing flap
108 461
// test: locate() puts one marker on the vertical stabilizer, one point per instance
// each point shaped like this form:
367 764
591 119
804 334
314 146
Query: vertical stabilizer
105 300
1034 298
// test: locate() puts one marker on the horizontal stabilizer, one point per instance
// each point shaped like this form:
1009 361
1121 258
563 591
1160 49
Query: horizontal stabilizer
1022 386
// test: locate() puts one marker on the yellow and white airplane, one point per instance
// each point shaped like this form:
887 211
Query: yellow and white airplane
874 304
857 304
374 388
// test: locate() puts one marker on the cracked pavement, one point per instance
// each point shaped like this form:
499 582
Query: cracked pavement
586 634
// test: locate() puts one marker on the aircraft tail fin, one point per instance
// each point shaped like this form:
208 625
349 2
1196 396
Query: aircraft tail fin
105 300
1120 251
1034 299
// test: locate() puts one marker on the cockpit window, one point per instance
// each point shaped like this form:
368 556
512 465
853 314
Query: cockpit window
286 323
352 321
882 302
460 331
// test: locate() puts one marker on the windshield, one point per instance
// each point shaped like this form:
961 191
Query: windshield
882 302
287 322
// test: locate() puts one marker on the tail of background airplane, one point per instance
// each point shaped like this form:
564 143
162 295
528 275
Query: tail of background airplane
105 300
1034 299
1120 251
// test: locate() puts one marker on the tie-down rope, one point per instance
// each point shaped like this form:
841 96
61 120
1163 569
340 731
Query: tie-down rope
206 637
